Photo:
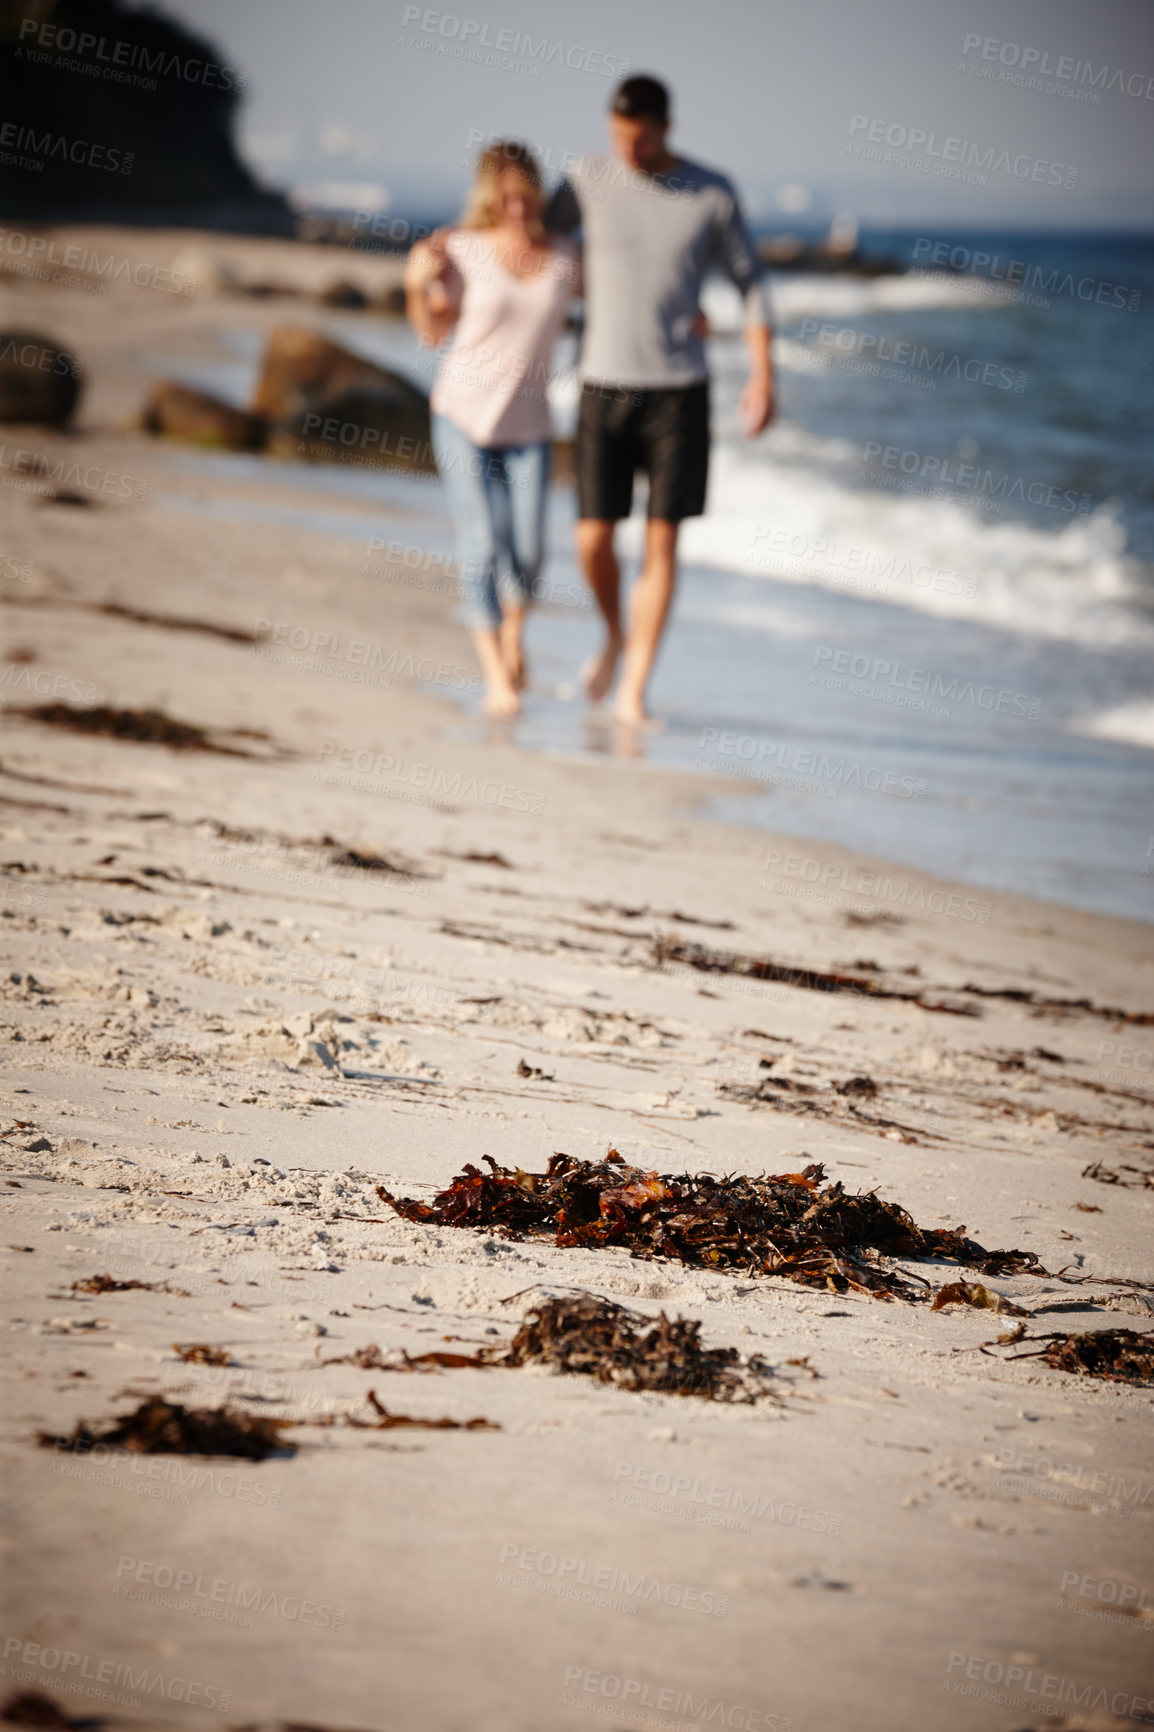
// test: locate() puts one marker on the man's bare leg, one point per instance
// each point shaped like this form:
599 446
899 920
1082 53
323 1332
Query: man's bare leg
648 612
603 574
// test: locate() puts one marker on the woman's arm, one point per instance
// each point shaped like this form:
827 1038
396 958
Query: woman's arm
429 308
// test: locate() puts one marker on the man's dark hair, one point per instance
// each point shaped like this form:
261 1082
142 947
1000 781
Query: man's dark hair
641 98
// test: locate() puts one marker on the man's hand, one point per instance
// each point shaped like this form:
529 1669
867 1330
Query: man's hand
757 404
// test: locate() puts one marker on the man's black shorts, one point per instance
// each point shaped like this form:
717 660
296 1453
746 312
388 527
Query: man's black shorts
663 431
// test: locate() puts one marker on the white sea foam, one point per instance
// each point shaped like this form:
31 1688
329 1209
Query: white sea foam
779 521
803 296
1132 723
777 510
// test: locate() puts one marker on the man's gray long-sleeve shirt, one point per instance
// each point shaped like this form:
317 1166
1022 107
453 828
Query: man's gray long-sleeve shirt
649 242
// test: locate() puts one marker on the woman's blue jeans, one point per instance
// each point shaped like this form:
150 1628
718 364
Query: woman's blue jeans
496 496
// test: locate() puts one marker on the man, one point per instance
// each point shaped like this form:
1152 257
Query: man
653 224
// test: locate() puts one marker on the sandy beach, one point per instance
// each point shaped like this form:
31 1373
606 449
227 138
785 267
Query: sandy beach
359 938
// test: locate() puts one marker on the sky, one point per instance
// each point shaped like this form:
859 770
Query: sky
890 112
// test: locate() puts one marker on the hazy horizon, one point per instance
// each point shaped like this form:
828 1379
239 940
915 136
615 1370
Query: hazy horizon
383 108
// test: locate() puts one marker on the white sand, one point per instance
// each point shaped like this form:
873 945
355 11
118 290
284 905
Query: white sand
902 1522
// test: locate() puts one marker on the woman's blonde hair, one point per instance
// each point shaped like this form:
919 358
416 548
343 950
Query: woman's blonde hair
480 207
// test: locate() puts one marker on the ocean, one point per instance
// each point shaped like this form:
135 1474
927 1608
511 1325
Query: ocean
917 618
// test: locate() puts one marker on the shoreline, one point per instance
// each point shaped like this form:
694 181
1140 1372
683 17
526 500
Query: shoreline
1087 758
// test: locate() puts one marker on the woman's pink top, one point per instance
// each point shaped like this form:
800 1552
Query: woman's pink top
493 378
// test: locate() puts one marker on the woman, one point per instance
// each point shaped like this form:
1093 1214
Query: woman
504 287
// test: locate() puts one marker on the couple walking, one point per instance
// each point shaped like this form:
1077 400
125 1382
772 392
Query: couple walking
652 224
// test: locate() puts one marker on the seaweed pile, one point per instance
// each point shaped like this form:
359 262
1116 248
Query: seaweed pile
106 1284
975 1294
371 1358
151 726
596 1338
34 1708
1122 1355
865 984
789 1224
588 1336
160 1427
386 1421
202 1353
1144 1180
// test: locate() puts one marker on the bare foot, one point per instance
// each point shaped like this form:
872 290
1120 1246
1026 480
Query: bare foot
598 672
632 712
500 693
501 700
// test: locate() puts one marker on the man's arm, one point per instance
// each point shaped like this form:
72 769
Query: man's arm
744 269
758 397
563 213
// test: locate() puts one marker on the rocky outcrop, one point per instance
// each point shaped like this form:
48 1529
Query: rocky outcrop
115 113
39 382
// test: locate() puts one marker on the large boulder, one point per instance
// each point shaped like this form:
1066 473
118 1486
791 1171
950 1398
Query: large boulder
181 412
38 381
325 403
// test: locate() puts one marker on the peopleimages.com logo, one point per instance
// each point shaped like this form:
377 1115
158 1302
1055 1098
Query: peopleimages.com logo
813 771
124 62
897 680
563 1573
949 471
75 264
1073 1482
637 1702
416 782
1021 274
856 888
83 152
864 349
137 1681
1035 64
1022 1686
1102 1591
177 1479
216 1597
931 153
712 1502
471 35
